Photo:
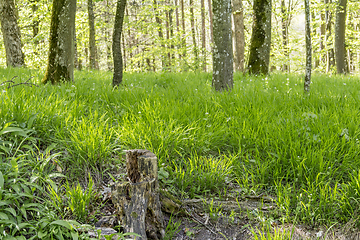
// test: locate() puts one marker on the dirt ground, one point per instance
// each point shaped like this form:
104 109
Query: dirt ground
232 223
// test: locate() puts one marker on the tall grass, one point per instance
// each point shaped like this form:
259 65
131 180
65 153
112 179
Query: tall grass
302 148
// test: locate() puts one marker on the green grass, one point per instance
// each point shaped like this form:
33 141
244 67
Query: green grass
265 135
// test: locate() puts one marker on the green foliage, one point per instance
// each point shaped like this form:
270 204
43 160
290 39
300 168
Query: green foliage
172 229
78 200
201 175
265 136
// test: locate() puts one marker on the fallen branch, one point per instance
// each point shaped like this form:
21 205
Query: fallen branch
11 83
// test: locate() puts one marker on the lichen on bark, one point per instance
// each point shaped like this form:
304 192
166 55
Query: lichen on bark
223 53
259 56
60 66
11 34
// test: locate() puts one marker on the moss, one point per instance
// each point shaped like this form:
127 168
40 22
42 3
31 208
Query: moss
259 64
55 73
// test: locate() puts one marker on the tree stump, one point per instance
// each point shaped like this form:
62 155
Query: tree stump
137 201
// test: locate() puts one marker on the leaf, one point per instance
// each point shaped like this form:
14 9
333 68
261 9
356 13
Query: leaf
54 175
1 181
11 210
24 225
74 235
62 223
11 129
31 121
3 216
41 234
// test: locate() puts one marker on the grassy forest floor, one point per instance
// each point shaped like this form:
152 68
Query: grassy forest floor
289 161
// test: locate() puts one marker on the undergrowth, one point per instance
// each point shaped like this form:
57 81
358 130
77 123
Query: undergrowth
265 136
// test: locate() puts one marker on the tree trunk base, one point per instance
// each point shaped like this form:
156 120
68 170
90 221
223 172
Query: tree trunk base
137 202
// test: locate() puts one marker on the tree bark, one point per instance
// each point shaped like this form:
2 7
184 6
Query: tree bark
60 66
35 22
308 47
137 202
284 26
322 35
259 56
340 26
183 28
211 23
330 62
203 35
117 55
11 34
160 32
223 54
193 34
238 37
92 43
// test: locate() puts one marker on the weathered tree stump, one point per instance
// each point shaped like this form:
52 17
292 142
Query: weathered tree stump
137 201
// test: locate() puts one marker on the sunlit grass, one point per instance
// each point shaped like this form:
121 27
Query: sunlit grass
302 148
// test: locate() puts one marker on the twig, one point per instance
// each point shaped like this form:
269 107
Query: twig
193 217
9 82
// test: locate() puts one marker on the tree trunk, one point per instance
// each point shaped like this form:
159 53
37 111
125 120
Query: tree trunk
77 61
284 26
60 66
259 56
308 47
340 26
322 36
137 201
330 62
203 36
223 54
178 25
238 38
193 34
11 34
211 23
108 37
117 55
92 43
168 47
160 32
183 28
35 22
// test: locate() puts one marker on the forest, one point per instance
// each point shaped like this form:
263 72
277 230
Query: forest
179 119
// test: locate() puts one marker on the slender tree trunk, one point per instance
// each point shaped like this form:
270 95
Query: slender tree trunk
167 24
340 26
77 61
107 38
211 23
160 32
330 61
259 56
223 54
183 28
315 54
60 66
193 34
35 22
284 26
308 47
322 36
92 43
11 34
177 24
203 36
238 37
117 55
171 26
